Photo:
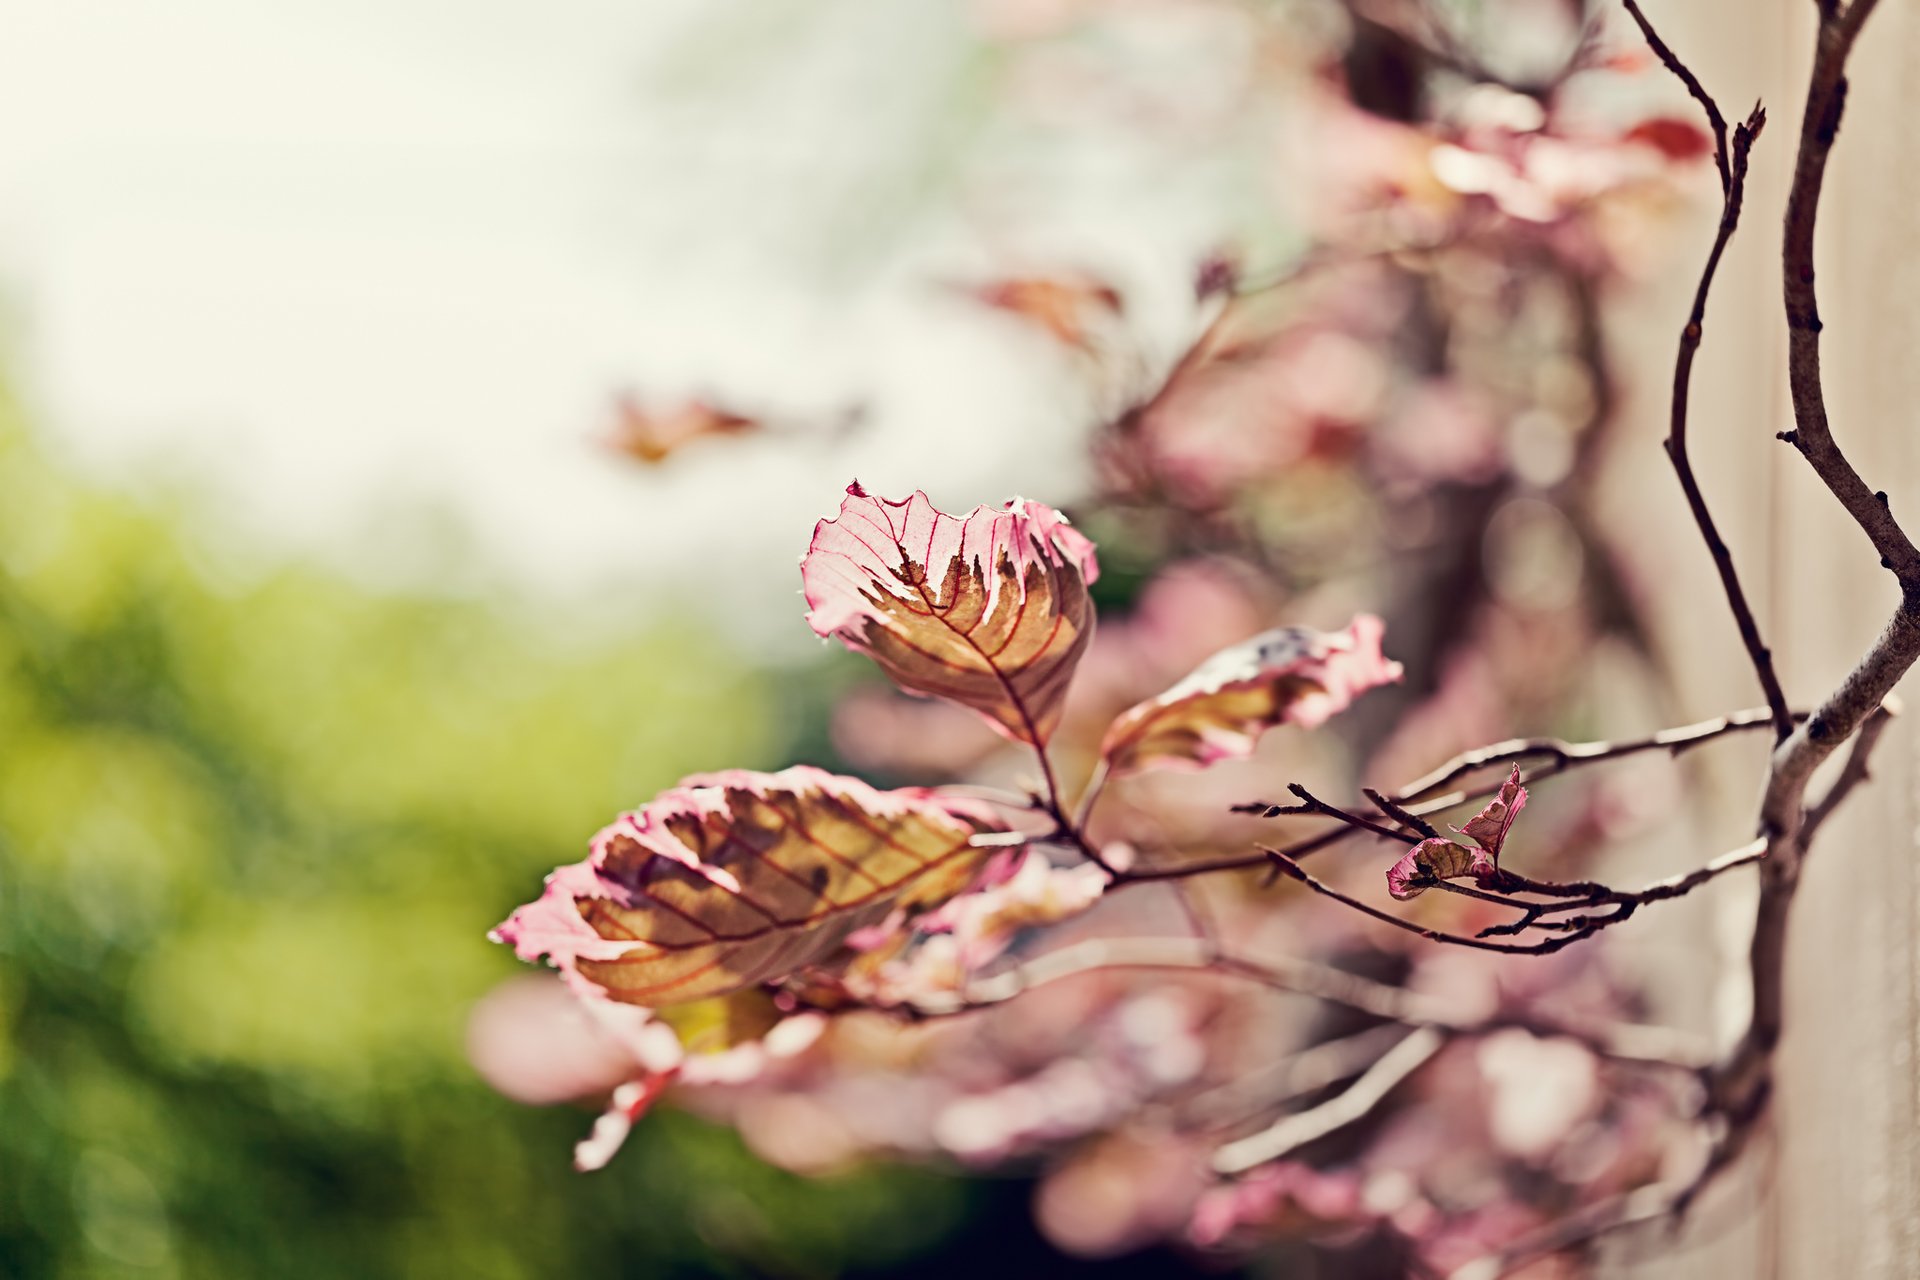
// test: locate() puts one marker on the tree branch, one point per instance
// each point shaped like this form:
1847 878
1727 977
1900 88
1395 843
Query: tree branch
1812 434
1732 163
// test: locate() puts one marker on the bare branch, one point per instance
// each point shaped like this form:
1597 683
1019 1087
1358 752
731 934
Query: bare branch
1812 434
1562 755
1854 771
1732 163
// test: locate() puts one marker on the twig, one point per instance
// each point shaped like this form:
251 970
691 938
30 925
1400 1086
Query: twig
1291 868
1622 903
1562 755
1337 1112
1312 804
1854 771
1732 163
1812 434
1406 818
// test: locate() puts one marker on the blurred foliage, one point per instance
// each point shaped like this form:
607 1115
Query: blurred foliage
250 839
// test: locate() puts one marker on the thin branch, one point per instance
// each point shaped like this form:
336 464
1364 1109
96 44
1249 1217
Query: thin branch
1732 163
1562 755
1343 1109
1291 868
1812 434
1309 803
1622 904
1854 771
1715 121
1387 805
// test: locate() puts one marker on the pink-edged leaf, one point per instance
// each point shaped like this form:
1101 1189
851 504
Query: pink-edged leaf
989 610
735 879
1294 675
1432 860
1036 894
1488 828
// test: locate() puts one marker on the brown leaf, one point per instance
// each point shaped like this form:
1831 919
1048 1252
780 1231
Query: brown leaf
1294 675
989 610
735 879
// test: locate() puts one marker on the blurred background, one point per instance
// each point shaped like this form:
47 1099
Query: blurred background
411 414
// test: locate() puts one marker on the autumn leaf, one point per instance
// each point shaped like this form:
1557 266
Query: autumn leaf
1064 306
989 610
1489 827
735 879
652 435
1443 859
1294 675
1431 860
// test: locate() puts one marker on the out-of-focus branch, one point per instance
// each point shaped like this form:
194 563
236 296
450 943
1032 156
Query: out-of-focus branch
1344 1108
1624 1042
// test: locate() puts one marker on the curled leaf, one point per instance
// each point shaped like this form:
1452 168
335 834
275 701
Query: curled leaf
1440 859
989 610
1488 828
1294 675
1432 860
735 879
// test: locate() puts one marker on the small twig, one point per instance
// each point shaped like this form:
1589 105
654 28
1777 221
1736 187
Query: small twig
1313 804
1812 434
1854 771
1406 818
1671 61
1622 903
1337 1112
1562 755
1291 868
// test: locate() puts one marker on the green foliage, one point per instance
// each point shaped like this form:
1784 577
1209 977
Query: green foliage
250 841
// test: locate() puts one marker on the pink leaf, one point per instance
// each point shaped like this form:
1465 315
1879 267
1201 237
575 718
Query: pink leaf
1294 675
989 610
736 879
1432 860
1489 827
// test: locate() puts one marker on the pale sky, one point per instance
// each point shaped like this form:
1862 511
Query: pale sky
338 264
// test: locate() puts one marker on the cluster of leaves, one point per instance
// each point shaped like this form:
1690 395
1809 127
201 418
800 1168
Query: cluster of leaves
736 905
